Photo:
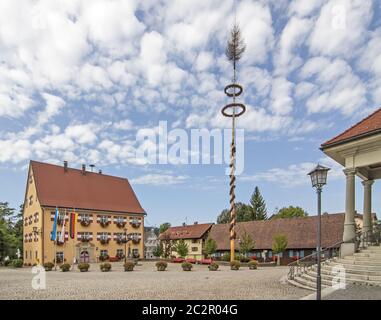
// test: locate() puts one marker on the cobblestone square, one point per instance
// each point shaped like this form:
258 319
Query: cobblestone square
147 283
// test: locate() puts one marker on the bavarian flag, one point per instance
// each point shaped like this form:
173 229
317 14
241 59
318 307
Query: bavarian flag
53 234
73 221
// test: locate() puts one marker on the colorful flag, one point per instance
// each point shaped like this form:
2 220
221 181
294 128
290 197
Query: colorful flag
62 235
73 221
53 234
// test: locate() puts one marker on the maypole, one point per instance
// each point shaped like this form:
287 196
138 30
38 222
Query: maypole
234 50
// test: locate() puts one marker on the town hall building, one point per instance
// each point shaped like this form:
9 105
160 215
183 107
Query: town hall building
108 213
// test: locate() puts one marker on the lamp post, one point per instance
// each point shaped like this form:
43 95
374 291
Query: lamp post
318 179
126 240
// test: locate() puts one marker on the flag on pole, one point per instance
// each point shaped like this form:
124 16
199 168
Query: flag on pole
53 234
73 221
62 235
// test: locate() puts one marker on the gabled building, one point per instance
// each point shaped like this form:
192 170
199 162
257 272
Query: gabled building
151 242
194 236
107 208
301 234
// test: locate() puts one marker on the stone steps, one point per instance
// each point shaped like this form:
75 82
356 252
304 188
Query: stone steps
363 268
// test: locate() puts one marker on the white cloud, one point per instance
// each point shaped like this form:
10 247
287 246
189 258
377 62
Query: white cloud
159 179
281 96
204 61
341 27
124 125
304 8
82 133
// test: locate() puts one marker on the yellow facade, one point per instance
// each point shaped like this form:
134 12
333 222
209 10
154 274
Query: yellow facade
195 248
38 224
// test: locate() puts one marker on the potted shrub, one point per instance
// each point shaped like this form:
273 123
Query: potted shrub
48 266
104 257
244 259
187 266
105 267
161 265
83 266
17 263
253 264
65 267
213 266
234 265
129 266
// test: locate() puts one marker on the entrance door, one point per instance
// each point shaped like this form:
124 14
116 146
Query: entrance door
85 257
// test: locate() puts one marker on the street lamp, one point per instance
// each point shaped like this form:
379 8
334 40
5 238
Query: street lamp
126 239
38 231
318 179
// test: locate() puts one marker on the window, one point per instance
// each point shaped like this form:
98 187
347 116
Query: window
301 253
30 200
290 253
104 253
119 252
36 255
270 254
194 248
31 179
60 256
26 254
194 240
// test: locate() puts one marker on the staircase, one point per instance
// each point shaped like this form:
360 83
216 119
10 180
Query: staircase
363 268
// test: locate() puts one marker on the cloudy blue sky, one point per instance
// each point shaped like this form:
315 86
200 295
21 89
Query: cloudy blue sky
79 80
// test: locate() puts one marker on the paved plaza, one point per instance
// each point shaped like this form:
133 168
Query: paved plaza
147 283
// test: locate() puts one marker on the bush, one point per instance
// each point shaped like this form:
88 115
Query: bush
187 266
226 257
105 267
161 265
17 263
244 259
213 266
129 266
253 264
234 265
7 263
83 266
65 267
48 266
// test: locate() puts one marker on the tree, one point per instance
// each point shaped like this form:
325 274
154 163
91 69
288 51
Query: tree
10 231
247 244
158 251
210 246
243 212
166 245
279 245
164 227
291 212
258 206
181 248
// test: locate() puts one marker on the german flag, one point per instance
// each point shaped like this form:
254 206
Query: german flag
73 222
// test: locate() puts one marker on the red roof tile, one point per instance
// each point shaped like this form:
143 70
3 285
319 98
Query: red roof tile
93 191
193 231
369 125
300 232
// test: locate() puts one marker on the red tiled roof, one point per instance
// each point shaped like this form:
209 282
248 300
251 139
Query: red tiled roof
300 232
369 125
72 189
193 231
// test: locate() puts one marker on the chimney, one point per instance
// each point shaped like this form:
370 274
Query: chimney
84 169
184 224
196 222
92 167
100 171
65 166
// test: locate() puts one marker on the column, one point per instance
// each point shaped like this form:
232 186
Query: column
349 224
367 214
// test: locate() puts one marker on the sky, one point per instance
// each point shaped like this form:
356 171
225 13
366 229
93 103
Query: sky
80 80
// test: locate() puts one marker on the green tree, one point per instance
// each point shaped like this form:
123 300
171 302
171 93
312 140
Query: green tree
291 212
164 227
158 251
181 248
246 244
166 244
210 246
243 212
258 206
279 245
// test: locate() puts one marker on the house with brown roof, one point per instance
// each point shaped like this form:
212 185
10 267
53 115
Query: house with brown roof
108 212
301 234
358 150
194 236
